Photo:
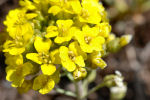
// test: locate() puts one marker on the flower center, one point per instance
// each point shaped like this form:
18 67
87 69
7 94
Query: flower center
71 55
62 31
84 13
45 58
87 39
18 41
20 19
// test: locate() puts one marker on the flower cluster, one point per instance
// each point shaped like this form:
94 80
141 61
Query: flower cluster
48 37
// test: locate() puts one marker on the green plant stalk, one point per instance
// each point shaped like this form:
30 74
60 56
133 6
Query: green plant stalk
78 96
78 91
93 90
69 75
68 93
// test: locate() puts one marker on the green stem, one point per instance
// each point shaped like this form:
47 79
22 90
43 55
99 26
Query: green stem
94 89
70 77
64 74
85 87
68 93
77 90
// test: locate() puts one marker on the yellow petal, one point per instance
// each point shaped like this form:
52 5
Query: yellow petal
34 57
97 43
80 61
74 46
39 81
25 87
65 60
48 87
51 32
54 10
76 6
55 56
48 69
9 71
27 68
63 53
87 48
62 39
16 51
43 83
42 45
64 24
69 65
13 59
31 15
98 62
56 76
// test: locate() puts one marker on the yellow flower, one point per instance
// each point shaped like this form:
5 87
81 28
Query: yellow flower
14 47
19 24
111 37
79 73
88 11
28 5
13 59
43 83
20 31
95 60
17 45
62 6
17 73
43 56
72 56
89 39
63 31
26 86
125 39
104 29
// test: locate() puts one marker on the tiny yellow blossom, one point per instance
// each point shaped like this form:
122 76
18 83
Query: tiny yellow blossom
63 31
43 56
79 73
95 60
62 6
19 24
89 11
104 29
125 39
17 73
43 83
27 4
72 56
90 42
26 86
13 59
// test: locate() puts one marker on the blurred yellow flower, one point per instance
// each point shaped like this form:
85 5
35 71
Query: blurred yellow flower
17 73
43 84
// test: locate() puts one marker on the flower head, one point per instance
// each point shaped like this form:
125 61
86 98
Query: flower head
48 37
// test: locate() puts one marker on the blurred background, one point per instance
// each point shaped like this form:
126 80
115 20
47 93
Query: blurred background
133 61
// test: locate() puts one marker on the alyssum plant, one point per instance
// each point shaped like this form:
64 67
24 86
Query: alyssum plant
52 38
